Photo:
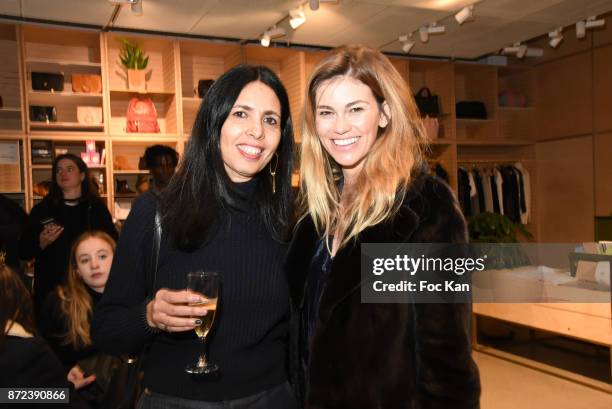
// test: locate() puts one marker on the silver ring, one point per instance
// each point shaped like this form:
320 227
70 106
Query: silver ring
163 327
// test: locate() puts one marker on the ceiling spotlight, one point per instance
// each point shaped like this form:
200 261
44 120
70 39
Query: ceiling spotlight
406 43
406 47
434 28
137 8
265 40
314 5
580 29
556 37
522 51
297 17
424 34
592 22
465 14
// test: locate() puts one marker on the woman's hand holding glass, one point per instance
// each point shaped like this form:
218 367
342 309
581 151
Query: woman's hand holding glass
174 310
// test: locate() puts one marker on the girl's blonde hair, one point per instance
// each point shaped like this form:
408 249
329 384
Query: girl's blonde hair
381 185
75 301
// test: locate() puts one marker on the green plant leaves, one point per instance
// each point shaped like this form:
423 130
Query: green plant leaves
131 56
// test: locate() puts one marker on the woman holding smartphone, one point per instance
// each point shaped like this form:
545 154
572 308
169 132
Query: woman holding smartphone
71 208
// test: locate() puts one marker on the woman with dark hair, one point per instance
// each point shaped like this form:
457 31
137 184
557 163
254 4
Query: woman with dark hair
227 210
70 208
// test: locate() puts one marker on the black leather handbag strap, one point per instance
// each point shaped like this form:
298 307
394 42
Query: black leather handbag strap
131 389
151 275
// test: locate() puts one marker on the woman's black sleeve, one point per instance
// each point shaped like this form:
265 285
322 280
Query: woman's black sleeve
29 244
447 376
119 323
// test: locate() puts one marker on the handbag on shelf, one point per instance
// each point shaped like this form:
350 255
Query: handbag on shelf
203 87
47 81
123 187
471 110
141 116
42 114
89 83
428 103
89 115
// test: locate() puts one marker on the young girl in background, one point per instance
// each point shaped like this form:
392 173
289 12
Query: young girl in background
65 320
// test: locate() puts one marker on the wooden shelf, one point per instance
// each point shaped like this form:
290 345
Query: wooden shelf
162 93
65 126
130 172
10 110
192 100
474 121
74 63
47 97
441 141
493 142
49 167
145 137
504 108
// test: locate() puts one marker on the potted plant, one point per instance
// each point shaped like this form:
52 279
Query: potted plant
489 228
135 61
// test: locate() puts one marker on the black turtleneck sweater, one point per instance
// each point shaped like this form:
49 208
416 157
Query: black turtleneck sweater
248 340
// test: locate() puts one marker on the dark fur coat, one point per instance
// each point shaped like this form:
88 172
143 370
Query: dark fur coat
385 356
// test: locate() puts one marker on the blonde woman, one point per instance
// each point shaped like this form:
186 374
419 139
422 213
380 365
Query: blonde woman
364 180
65 320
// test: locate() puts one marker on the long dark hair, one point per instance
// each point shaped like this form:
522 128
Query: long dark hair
201 186
87 190
16 302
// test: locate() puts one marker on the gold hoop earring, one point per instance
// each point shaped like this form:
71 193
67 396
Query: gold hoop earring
273 172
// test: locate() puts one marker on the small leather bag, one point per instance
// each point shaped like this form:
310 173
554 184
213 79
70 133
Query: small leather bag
428 103
471 110
42 113
88 115
47 81
203 87
89 83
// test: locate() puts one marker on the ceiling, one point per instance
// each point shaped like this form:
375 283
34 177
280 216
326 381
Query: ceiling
377 23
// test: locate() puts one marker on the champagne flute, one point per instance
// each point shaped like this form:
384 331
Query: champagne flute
206 284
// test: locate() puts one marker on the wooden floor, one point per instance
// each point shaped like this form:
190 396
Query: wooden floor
506 385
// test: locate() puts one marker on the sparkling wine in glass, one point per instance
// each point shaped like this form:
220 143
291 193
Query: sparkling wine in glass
206 284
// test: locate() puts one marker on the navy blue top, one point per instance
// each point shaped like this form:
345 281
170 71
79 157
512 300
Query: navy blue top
318 272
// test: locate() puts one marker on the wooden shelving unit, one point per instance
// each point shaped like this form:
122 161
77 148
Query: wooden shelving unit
176 66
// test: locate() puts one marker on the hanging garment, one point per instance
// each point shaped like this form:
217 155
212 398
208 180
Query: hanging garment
525 215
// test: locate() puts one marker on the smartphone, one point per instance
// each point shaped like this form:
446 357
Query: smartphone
48 221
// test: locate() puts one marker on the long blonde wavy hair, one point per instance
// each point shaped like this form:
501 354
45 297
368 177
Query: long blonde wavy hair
381 185
75 301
